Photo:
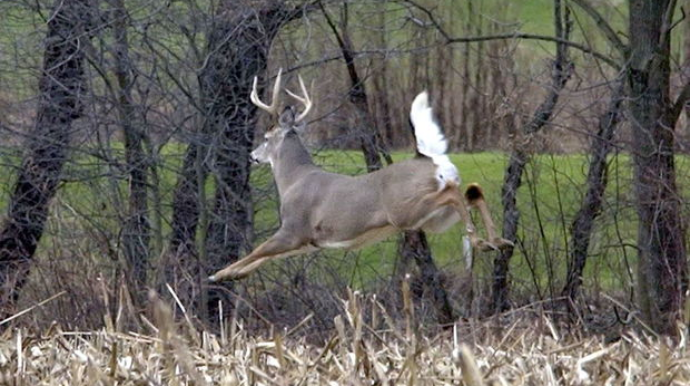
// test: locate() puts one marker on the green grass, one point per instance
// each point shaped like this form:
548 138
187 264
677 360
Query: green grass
92 203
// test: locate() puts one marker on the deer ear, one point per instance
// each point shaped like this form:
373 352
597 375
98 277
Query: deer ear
287 118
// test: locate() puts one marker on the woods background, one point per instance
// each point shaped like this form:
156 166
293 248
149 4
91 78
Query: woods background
126 126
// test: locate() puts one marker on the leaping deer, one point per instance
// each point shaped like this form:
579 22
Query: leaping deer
319 209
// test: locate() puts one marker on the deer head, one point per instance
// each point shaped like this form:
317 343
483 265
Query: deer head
287 121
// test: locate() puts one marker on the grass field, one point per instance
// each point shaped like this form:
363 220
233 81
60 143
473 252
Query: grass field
550 195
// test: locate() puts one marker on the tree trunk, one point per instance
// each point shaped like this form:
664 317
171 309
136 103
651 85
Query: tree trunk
661 244
686 74
61 86
590 208
238 43
185 217
414 243
415 246
136 231
562 69
239 47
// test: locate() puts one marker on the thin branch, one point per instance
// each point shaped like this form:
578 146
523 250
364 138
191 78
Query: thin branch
29 309
432 19
603 25
678 105
667 23
514 35
529 36
682 17
345 48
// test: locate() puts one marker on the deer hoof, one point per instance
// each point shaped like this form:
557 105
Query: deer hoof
227 276
485 246
503 244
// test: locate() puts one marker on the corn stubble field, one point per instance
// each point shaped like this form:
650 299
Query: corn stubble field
519 348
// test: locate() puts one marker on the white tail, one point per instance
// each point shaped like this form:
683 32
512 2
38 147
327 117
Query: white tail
327 210
430 140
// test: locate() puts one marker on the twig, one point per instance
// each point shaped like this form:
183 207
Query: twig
515 35
631 315
603 25
27 310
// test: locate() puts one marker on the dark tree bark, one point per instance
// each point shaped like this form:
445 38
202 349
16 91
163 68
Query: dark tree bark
238 43
136 232
590 208
686 72
239 47
61 87
185 217
561 71
414 244
661 244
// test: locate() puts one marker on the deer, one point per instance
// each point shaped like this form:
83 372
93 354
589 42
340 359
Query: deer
319 209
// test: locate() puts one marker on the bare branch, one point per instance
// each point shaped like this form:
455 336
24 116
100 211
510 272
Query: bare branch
529 36
667 24
682 99
603 25
514 35
432 19
682 17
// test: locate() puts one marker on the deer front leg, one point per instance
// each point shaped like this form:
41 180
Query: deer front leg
475 197
279 245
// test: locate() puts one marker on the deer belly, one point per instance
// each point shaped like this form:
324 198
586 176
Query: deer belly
440 220
369 237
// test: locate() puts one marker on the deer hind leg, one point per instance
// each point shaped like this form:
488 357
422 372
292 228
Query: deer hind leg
455 199
279 245
475 198
451 196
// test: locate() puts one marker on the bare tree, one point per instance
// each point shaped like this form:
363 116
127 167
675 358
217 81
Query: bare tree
61 88
561 70
592 201
136 232
238 42
662 271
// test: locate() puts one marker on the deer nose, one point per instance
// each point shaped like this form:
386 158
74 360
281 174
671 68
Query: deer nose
252 158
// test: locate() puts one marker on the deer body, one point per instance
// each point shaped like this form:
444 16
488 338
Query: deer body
319 209
388 197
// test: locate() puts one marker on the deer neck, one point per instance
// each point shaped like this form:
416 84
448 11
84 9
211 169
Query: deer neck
292 161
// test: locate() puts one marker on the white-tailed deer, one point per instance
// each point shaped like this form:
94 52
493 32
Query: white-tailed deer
319 209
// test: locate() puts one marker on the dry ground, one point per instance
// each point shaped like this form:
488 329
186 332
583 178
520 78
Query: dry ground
522 351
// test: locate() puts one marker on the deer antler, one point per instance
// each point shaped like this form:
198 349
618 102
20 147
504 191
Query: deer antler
306 101
254 96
